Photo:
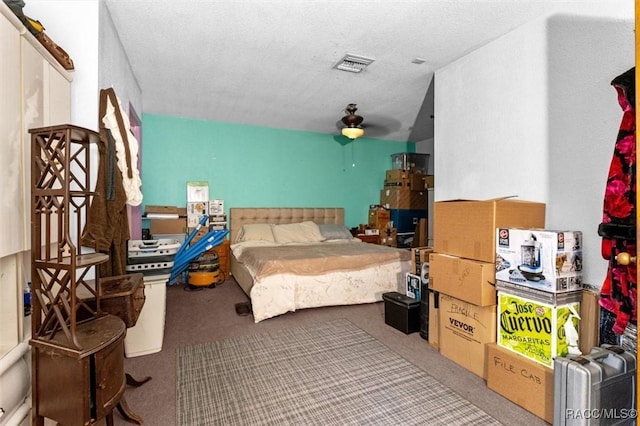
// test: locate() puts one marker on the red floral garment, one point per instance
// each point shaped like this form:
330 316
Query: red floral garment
619 290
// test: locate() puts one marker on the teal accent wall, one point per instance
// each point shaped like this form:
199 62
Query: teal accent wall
251 166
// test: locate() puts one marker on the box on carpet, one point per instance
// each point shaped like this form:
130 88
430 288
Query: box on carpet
465 329
521 380
401 312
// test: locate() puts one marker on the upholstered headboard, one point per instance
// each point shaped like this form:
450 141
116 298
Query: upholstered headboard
278 215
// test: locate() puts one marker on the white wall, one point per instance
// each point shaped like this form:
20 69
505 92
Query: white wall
84 29
533 114
73 25
115 69
426 147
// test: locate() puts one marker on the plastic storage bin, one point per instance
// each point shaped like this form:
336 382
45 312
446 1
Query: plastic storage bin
150 251
147 336
410 161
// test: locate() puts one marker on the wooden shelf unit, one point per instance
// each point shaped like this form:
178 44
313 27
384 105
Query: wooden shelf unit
77 348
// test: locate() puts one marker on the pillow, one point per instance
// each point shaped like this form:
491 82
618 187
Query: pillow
256 232
332 231
302 232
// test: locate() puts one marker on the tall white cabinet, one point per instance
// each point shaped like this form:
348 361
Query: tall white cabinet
11 191
35 91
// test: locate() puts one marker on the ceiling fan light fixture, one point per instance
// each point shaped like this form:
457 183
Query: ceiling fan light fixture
353 132
352 123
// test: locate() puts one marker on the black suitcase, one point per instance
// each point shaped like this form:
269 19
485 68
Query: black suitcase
595 389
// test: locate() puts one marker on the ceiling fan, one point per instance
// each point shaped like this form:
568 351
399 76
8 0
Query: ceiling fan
353 126
352 122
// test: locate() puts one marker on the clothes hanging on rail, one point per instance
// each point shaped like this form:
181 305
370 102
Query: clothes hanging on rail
618 295
107 227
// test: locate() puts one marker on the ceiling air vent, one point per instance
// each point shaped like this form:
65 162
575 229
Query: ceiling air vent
353 63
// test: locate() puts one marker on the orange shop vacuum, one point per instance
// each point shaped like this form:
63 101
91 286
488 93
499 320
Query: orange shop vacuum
204 271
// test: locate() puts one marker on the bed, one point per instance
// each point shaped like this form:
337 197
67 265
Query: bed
287 259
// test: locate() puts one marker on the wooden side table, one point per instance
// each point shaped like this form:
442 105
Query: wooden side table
80 386
371 239
224 253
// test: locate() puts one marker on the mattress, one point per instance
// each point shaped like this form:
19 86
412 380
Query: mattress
314 275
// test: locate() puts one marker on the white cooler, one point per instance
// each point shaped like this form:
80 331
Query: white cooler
147 335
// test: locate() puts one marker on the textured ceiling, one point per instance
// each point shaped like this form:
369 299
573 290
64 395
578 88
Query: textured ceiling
271 62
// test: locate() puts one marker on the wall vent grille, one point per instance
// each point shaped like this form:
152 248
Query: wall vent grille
353 63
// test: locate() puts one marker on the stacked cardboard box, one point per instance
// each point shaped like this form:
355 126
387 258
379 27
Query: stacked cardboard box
462 271
522 381
199 205
166 220
379 224
405 197
539 278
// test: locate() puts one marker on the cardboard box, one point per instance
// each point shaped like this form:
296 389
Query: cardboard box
175 221
467 228
388 237
558 298
197 191
429 181
378 218
421 236
195 211
535 329
541 259
520 380
403 198
216 207
165 210
167 226
468 280
198 235
464 331
434 319
404 179
589 320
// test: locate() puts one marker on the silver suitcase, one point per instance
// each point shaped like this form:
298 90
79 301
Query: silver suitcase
595 389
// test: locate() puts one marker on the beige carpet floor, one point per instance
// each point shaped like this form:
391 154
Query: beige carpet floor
209 315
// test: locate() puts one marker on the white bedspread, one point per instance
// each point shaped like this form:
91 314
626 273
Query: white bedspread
276 294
